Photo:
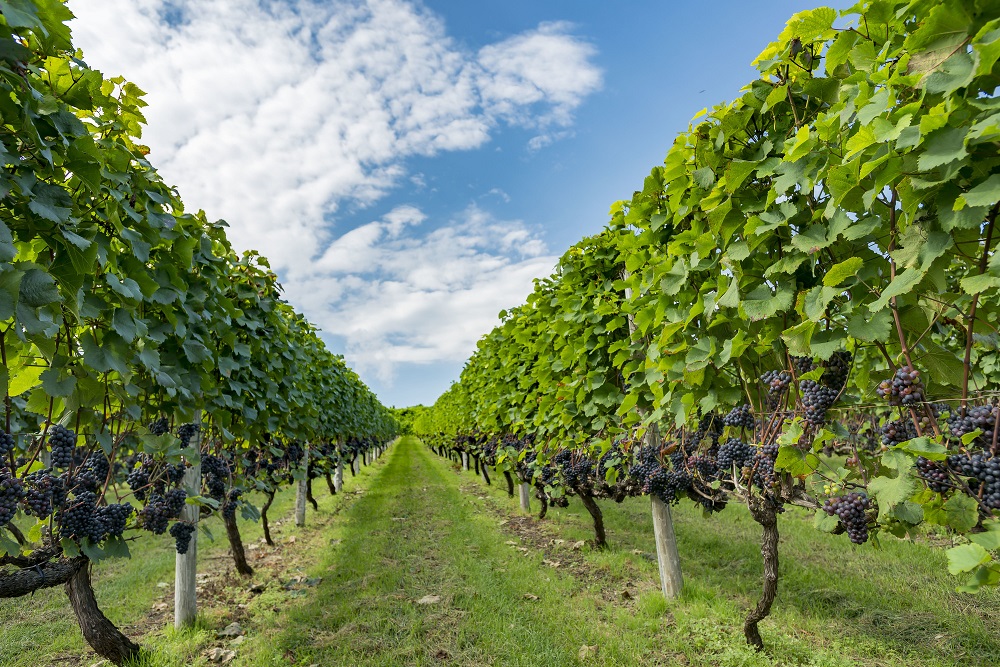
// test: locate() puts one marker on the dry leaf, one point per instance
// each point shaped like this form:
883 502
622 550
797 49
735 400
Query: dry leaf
529 596
551 563
429 599
587 651
578 545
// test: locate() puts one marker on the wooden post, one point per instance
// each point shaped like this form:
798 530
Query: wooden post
300 496
338 476
667 558
526 497
186 565
357 465
465 461
666 550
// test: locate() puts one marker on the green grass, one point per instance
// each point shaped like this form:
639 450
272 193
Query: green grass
422 527
42 629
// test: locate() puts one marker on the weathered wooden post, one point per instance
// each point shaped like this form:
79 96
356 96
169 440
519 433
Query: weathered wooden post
302 491
186 564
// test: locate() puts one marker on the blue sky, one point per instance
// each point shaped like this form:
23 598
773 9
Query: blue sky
410 167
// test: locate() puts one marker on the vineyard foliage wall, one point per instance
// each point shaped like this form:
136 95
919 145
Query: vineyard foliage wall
123 316
813 268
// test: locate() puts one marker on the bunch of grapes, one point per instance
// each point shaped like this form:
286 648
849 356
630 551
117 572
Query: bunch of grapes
852 511
903 388
707 431
704 465
763 465
735 452
816 399
982 417
63 442
186 432
740 417
114 519
138 480
232 502
836 369
11 493
44 492
897 431
175 473
803 365
215 473
777 383
155 516
934 474
160 427
6 443
646 463
182 532
983 471
577 472
98 466
668 485
75 519
175 501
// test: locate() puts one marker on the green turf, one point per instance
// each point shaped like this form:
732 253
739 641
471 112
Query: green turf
420 527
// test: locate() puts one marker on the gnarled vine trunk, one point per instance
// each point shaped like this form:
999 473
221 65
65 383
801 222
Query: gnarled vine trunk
510 483
543 499
100 633
475 460
329 484
263 518
486 475
595 512
309 493
236 544
765 513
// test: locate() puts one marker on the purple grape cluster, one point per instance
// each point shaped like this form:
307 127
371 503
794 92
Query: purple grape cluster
63 443
983 471
852 511
182 532
816 399
934 474
7 443
11 493
740 417
903 388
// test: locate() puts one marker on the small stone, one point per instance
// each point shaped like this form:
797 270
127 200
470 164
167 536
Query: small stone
162 584
530 596
587 652
232 630
429 599
239 640
578 545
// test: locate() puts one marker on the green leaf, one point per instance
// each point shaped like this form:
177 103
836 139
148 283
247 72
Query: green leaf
925 447
966 558
909 512
903 283
961 513
842 271
870 328
37 289
51 202
943 146
24 379
985 194
825 522
761 304
737 172
793 460
54 383
704 177
891 491
8 547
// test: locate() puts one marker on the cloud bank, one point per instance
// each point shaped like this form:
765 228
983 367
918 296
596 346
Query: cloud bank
280 116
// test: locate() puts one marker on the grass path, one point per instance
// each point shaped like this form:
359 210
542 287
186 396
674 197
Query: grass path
504 589
424 529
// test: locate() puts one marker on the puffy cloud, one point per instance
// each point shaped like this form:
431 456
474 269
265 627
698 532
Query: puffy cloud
395 297
279 115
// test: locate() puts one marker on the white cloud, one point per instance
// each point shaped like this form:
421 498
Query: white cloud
398 298
274 115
